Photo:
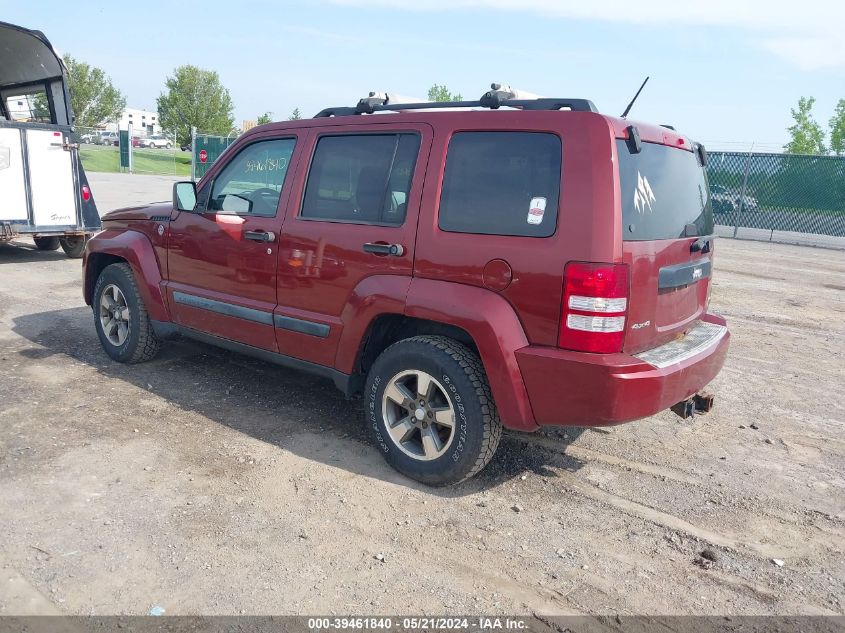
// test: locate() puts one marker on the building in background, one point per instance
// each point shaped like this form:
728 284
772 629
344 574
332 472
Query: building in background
144 122
247 125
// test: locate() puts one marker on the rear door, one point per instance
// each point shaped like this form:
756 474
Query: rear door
667 229
51 179
359 197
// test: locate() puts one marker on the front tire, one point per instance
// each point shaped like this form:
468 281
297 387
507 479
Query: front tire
74 246
121 318
430 411
48 243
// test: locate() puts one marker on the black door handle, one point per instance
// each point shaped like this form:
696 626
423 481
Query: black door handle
260 236
378 248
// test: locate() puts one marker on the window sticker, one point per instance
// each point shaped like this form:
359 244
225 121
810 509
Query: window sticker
536 210
643 195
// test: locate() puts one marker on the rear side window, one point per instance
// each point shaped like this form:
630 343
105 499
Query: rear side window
362 179
501 183
663 190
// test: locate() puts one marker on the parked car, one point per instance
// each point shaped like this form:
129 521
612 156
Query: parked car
136 141
90 137
157 142
186 148
722 199
109 138
726 200
465 270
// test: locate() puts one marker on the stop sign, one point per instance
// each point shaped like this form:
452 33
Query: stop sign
203 156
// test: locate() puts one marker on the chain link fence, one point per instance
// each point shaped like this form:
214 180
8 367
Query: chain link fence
778 192
206 149
100 151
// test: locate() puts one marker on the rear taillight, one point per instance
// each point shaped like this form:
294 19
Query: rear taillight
595 304
86 193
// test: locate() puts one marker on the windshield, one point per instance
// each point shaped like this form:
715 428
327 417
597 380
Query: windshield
664 189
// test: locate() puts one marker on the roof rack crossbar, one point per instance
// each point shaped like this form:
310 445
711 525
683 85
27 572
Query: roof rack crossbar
366 106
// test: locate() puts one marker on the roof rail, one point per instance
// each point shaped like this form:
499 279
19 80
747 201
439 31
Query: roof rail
492 100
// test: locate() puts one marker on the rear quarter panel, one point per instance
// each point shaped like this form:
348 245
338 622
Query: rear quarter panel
587 228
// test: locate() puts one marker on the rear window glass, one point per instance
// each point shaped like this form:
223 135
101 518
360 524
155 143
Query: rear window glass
663 190
501 183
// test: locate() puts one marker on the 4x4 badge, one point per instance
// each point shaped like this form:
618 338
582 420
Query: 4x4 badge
643 195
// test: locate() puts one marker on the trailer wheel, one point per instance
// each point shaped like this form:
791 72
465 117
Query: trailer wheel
49 243
121 318
74 245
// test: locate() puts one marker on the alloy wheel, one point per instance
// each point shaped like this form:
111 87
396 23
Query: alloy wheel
419 416
114 315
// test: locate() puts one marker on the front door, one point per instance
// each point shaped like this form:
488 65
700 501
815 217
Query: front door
222 257
354 218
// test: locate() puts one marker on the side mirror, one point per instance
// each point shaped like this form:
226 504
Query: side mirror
184 195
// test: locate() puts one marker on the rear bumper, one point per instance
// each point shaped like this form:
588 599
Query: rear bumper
578 389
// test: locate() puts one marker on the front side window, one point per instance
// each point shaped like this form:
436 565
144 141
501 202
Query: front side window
252 181
501 183
362 179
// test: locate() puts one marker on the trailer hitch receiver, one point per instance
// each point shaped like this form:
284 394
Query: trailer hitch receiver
700 403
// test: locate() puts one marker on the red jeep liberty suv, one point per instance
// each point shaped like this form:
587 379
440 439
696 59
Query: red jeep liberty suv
467 266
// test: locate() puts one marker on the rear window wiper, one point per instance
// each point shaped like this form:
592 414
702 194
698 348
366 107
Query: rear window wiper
702 245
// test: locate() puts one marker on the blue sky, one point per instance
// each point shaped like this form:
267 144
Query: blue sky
722 71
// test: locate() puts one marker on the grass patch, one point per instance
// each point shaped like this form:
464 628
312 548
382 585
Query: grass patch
145 161
99 158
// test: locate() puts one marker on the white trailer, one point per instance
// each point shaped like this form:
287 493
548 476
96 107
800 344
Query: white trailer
43 189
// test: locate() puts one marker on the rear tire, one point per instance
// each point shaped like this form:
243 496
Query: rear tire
50 243
74 246
446 434
121 318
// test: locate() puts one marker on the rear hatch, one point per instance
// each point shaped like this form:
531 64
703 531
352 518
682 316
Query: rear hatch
667 229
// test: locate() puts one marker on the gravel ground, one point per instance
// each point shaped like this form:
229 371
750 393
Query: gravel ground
205 482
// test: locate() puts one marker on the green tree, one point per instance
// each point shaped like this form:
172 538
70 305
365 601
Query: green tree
41 107
93 98
267 117
807 136
296 115
195 97
441 93
837 129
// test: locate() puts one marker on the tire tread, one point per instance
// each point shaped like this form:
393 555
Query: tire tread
474 371
148 343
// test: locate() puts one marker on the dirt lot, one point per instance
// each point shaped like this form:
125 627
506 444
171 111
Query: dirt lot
206 482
